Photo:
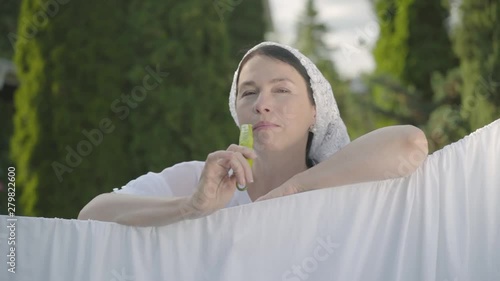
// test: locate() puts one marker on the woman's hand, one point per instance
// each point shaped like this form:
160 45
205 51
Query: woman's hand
216 186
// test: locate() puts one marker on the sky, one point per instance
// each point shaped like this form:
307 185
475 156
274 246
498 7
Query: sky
349 21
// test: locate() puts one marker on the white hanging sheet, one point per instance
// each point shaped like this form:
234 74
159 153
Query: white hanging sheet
442 223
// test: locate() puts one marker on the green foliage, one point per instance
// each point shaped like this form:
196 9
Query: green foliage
429 46
355 112
394 102
411 32
310 34
446 124
69 74
391 50
187 116
413 44
8 24
150 77
477 45
6 113
310 41
467 98
246 25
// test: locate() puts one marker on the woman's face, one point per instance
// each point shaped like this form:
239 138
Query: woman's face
273 97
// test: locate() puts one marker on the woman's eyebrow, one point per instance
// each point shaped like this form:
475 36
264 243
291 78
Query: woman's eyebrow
247 83
273 81
276 80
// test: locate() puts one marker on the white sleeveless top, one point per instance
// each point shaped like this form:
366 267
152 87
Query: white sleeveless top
176 181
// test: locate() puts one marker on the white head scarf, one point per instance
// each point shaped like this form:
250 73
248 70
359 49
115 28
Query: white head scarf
330 133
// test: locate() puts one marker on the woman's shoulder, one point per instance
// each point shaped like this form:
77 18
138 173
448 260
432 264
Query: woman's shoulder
187 169
195 165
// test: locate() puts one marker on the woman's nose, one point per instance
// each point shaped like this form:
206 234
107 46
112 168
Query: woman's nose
263 103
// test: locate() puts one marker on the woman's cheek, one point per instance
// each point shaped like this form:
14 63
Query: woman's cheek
291 112
243 112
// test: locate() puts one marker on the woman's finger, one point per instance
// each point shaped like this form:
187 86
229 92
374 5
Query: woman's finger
246 167
238 169
230 163
233 159
245 151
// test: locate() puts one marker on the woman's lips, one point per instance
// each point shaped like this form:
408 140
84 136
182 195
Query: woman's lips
264 126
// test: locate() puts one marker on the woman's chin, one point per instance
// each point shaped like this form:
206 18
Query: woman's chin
265 137
265 146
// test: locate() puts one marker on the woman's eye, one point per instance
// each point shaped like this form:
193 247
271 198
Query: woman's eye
247 93
283 91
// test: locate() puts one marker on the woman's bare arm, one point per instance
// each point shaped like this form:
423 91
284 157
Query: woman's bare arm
136 210
213 192
385 153
389 152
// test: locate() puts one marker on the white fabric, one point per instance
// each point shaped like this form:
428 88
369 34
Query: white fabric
176 181
330 133
442 223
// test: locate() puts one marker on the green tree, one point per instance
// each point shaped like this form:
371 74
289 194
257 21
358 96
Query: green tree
477 45
310 41
468 96
413 44
8 25
445 124
151 76
187 117
246 24
69 75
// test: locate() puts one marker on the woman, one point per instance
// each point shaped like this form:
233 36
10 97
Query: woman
300 144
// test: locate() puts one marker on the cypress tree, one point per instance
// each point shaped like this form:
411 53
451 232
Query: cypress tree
468 95
477 45
187 116
8 25
246 25
413 44
67 144
310 40
151 77
445 123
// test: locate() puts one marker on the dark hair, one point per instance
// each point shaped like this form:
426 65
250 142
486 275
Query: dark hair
285 56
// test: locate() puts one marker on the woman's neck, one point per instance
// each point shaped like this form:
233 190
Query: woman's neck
272 169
